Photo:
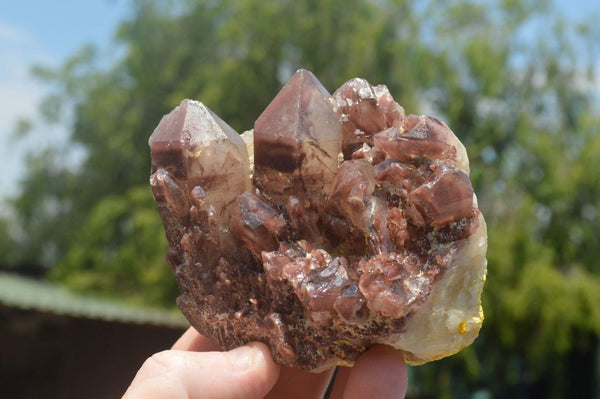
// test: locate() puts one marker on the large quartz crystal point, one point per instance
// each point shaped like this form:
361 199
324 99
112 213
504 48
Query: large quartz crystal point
194 145
296 141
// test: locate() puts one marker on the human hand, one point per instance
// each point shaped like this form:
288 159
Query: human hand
196 368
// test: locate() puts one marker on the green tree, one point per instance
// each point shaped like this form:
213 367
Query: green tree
509 76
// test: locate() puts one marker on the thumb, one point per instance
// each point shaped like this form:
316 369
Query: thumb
244 372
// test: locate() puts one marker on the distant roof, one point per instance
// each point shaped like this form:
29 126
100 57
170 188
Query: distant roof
28 294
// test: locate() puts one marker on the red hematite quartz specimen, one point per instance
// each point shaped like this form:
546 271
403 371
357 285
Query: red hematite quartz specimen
337 223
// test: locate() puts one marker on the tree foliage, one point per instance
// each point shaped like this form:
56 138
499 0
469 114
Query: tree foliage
514 80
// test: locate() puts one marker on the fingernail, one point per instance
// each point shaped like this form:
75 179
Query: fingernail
243 357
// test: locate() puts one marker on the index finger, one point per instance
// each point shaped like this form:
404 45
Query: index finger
294 383
193 341
380 372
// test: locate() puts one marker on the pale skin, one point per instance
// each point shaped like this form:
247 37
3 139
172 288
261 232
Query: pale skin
196 368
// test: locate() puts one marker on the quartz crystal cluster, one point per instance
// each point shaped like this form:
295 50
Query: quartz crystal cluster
337 223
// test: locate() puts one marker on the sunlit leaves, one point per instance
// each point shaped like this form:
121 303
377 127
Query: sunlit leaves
120 252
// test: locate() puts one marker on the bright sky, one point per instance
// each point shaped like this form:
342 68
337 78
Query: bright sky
47 32
42 32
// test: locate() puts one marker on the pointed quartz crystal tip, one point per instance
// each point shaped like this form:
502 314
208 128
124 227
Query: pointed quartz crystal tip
195 145
296 140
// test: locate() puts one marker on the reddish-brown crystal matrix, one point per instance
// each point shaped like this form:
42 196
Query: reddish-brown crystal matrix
338 223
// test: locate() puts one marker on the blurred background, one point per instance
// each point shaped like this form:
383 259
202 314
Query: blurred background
85 292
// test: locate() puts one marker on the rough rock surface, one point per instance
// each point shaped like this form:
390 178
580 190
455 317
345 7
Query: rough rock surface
339 222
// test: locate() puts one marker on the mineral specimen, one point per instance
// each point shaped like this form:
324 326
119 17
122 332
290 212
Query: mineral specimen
337 223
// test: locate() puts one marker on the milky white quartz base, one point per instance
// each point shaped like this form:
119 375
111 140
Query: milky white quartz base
451 316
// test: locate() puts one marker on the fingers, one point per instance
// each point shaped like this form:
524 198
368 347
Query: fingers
378 373
245 372
341 379
294 383
249 372
191 340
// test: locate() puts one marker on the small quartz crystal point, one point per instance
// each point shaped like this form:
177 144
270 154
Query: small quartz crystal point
337 223
364 111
